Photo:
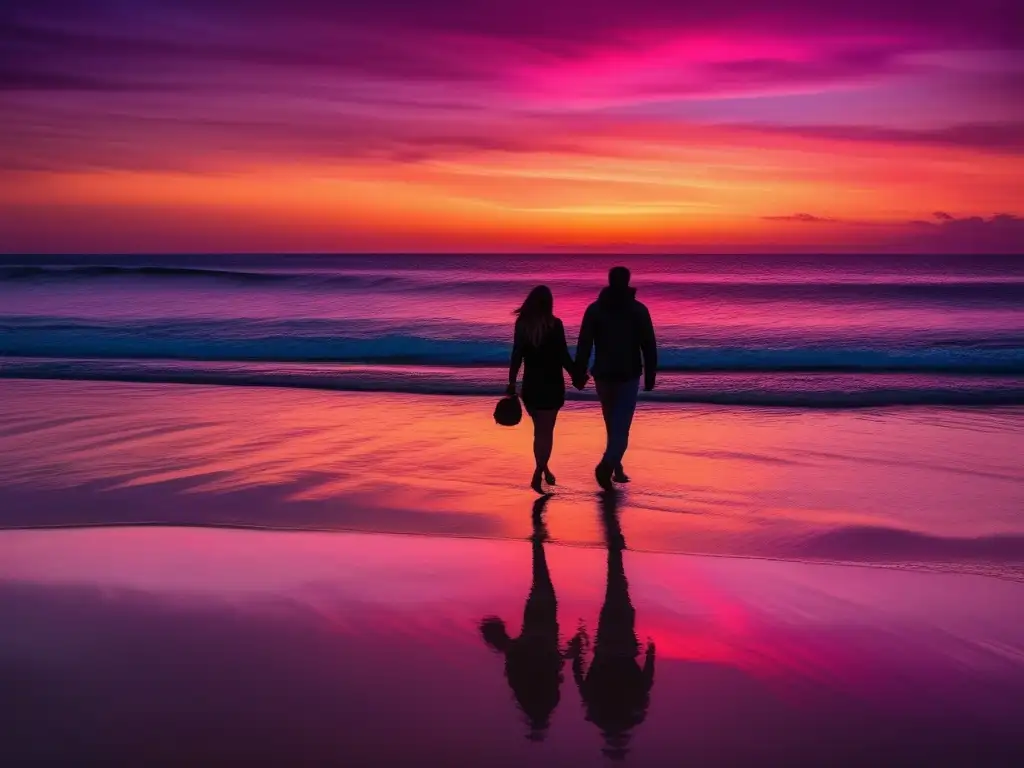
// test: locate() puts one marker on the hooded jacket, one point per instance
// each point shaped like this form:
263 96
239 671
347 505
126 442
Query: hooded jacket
619 330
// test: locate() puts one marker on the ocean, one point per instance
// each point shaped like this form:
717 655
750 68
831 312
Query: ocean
793 331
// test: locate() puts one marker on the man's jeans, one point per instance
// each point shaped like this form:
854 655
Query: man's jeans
618 403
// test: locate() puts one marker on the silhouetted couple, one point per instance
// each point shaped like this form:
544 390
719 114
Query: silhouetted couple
618 329
614 688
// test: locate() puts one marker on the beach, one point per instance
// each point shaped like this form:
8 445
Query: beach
928 487
256 509
207 573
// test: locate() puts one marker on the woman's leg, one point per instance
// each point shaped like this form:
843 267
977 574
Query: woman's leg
543 436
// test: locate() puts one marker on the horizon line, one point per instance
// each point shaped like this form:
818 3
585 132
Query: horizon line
487 253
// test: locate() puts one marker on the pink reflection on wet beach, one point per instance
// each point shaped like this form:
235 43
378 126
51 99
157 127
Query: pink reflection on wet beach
827 655
894 486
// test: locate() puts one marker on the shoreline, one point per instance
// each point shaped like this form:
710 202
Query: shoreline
794 389
1008 572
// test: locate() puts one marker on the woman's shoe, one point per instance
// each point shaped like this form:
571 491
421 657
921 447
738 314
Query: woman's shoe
535 483
549 478
603 474
619 475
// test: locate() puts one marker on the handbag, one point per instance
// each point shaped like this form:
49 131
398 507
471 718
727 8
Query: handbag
508 412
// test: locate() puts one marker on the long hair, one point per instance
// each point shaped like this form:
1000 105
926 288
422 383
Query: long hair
536 315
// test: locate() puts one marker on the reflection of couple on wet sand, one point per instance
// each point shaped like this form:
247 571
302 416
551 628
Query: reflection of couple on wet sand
614 688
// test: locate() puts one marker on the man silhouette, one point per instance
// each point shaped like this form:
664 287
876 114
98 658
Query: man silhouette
619 330
615 688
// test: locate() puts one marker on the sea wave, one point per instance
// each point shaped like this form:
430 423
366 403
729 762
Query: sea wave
334 341
31 272
780 390
996 291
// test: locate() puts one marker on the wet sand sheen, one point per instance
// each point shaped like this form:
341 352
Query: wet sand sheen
167 645
163 645
913 486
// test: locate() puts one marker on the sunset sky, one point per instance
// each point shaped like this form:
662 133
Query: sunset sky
434 125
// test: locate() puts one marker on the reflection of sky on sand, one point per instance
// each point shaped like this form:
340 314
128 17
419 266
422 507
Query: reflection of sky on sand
738 481
245 624
700 606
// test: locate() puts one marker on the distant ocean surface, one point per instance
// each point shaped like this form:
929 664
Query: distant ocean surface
827 331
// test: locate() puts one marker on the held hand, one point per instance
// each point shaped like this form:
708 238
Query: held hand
575 648
580 641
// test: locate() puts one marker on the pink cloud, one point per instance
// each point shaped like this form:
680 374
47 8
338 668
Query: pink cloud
677 64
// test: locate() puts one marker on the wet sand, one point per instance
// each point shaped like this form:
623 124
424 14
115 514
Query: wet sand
174 646
922 487
851 593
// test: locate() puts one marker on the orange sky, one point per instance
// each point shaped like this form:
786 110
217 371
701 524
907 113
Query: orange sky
737 129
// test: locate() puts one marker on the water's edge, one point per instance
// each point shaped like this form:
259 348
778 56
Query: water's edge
779 389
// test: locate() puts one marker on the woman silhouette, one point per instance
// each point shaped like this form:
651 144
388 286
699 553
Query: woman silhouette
533 661
615 689
540 344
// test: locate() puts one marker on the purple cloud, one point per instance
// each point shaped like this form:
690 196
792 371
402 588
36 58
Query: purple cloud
460 39
801 218
567 23
999 137
1002 233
